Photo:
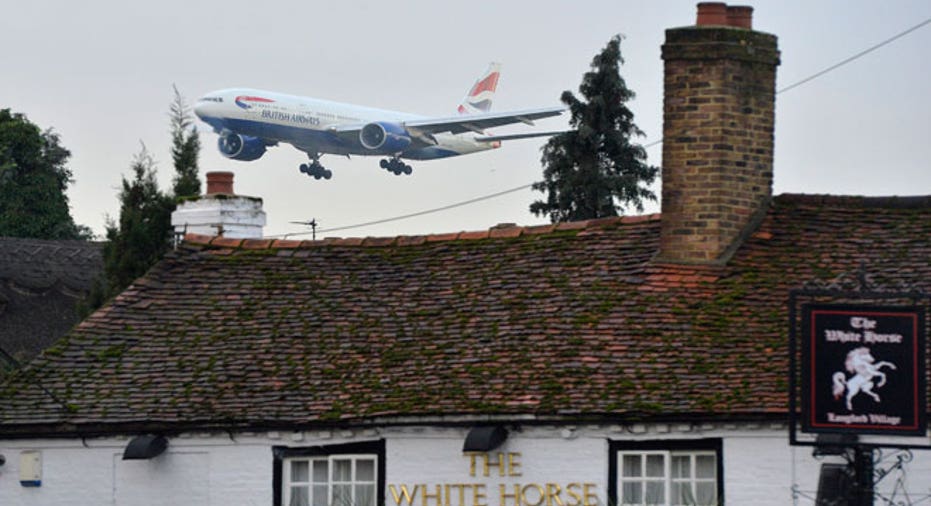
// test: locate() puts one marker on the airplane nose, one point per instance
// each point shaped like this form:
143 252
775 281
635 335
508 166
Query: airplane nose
200 108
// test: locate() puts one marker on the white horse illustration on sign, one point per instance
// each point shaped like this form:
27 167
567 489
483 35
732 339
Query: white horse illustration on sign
861 363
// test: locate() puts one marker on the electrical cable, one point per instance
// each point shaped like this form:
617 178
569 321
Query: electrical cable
412 215
17 366
649 145
838 65
9 358
429 211
854 57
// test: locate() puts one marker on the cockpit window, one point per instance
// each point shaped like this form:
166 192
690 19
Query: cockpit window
212 99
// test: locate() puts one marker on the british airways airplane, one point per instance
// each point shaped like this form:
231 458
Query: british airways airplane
249 121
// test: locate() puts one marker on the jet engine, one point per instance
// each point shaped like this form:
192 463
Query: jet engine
241 147
384 137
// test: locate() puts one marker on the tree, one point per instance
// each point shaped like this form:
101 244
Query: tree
143 234
140 238
185 147
33 181
593 170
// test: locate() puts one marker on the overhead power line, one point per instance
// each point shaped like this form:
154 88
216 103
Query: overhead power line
648 145
855 57
413 215
421 213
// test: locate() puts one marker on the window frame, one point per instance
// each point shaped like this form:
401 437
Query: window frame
280 454
669 448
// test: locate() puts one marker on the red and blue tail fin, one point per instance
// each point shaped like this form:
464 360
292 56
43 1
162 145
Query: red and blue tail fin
478 100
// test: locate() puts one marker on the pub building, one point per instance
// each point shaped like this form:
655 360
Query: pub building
631 360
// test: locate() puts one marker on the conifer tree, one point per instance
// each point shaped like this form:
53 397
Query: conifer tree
185 147
142 235
594 170
33 181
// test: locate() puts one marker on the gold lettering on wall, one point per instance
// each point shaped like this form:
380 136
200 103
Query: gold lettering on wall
507 464
495 465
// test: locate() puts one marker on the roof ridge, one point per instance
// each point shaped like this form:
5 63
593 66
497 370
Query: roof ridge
863 201
503 231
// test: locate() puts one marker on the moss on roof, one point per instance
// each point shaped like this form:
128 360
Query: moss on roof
570 321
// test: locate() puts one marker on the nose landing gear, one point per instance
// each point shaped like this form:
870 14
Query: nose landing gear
396 166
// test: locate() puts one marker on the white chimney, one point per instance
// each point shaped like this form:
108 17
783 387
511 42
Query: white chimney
220 212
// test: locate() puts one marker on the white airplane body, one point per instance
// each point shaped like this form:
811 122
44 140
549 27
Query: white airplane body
249 121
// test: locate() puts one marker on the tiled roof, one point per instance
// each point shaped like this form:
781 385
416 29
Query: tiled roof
570 321
40 283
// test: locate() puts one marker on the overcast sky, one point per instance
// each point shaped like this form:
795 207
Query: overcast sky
100 73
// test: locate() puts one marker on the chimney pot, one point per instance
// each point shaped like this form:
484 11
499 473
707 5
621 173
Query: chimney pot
220 212
220 182
712 14
740 16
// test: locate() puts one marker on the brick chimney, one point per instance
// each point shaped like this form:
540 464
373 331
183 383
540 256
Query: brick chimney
220 212
718 118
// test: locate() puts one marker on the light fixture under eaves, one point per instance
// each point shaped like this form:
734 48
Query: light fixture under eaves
484 438
145 447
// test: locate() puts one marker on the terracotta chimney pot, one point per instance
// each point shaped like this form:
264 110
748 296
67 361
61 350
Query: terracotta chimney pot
712 13
220 182
740 16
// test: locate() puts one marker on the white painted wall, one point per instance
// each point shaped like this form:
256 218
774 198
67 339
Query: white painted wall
760 468
231 216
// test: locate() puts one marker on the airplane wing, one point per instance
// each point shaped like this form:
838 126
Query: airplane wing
511 137
468 123
479 122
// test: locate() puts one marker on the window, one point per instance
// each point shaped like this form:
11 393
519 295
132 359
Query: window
337 480
334 475
666 473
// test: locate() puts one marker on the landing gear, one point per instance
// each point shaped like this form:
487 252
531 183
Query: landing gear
315 170
396 166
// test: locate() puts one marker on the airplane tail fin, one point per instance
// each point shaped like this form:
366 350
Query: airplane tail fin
479 98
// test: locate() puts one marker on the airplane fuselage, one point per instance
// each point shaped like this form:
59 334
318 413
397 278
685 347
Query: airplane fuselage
249 121
319 126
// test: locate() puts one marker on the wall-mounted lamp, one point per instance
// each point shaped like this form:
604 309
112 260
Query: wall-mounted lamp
484 438
145 447
833 444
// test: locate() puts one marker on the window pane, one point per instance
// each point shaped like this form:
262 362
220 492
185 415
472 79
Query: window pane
656 466
682 494
632 465
342 495
336 480
365 495
365 470
632 493
299 471
656 492
320 496
647 478
342 470
681 466
298 496
705 493
705 466
321 475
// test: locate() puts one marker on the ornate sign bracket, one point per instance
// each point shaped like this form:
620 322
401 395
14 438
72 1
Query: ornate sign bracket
821 304
859 283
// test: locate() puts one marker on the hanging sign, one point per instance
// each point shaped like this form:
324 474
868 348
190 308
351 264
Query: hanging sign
863 369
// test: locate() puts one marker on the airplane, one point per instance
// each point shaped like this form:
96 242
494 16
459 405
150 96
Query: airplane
249 121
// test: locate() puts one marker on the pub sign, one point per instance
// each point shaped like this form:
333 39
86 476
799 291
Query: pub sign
863 369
